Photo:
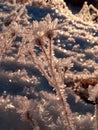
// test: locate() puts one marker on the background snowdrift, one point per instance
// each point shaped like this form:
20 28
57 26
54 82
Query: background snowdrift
23 88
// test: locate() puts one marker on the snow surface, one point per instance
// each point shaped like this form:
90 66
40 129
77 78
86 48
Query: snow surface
23 88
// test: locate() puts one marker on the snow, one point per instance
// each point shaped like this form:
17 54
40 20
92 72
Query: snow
22 87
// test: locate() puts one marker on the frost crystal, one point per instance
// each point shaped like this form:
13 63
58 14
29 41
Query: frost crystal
93 93
43 39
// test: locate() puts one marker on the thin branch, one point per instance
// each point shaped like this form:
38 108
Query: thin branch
96 117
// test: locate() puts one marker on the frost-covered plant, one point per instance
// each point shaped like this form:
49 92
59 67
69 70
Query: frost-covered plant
36 43
42 53
88 12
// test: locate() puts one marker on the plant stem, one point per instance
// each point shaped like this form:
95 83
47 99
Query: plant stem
96 116
62 97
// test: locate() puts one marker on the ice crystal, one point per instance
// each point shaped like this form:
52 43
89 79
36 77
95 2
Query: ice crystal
62 47
93 92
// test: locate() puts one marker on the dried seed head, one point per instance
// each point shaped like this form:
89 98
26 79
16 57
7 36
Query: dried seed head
89 81
50 34
38 41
